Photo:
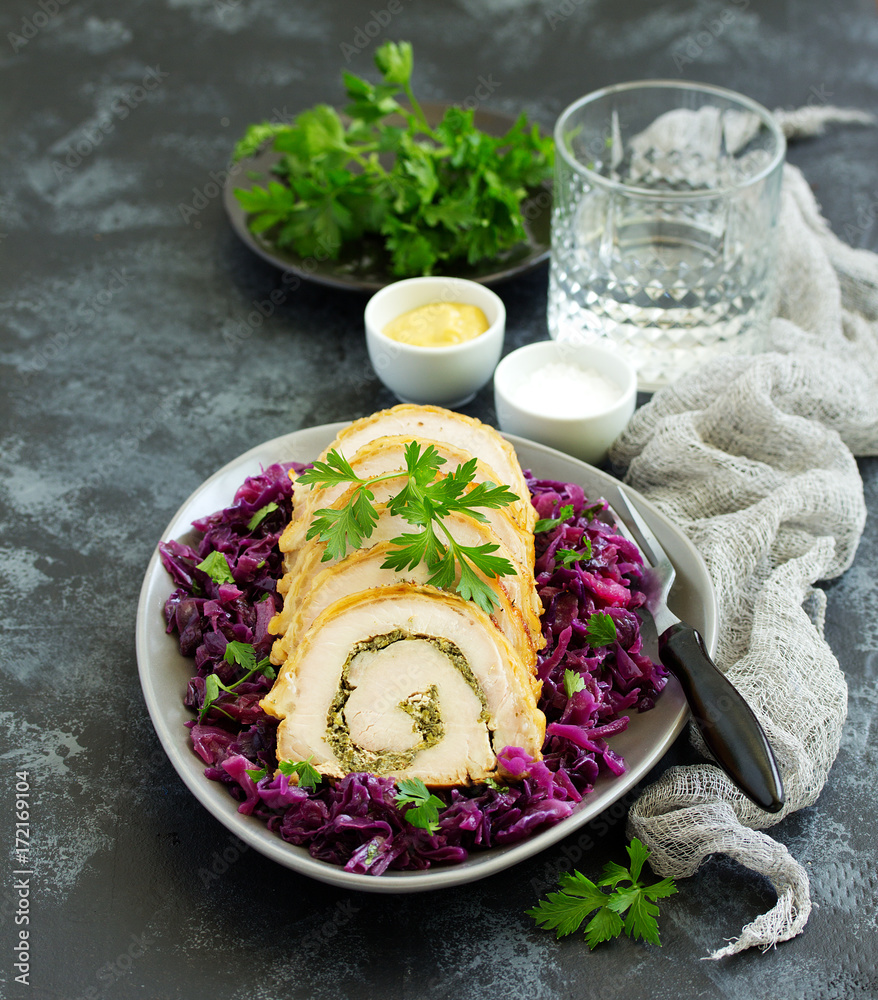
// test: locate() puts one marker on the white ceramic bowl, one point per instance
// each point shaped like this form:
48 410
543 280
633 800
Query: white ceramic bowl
586 431
443 376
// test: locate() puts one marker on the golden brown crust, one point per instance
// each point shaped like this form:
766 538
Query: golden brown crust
314 590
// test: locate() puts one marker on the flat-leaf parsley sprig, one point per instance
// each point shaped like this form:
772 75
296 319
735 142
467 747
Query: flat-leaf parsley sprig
629 907
345 527
424 806
244 656
600 630
308 775
424 501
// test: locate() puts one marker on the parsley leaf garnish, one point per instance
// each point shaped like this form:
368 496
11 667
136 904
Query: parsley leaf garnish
569 557
600 630
573 682
592 512
217 568
244 655
629 906
309 776
348 526
430 194
498 786
424 813
241 653
548 523
423 502
261 515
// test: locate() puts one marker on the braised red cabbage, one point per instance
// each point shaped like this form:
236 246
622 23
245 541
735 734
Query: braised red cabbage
354 822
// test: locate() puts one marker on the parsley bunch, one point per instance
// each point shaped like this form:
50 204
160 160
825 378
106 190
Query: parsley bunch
429 194
423 502
629 907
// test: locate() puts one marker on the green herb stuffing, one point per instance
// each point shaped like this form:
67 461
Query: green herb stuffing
429 194
424 708
629 907
423 502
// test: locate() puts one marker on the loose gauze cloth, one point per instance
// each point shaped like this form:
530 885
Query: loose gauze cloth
753 457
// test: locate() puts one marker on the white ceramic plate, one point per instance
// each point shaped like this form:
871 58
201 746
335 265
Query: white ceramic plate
164 673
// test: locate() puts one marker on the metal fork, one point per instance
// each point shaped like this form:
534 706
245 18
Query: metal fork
731 731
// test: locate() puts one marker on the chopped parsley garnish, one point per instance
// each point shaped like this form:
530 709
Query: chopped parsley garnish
217 567
261 515
243 655
601 629
309 776
495 784
573 682
592 512
550 523
424 813
568 558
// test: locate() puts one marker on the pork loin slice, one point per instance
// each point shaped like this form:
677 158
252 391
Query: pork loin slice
405 681
290 541
520 586
432 423
362 570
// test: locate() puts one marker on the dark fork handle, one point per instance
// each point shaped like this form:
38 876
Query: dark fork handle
727 723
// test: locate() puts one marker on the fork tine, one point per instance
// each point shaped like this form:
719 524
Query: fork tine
659 575
641 534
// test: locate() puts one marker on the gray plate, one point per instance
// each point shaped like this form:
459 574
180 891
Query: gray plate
164 673
366 266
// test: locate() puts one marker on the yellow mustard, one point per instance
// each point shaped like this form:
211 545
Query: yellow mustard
439 324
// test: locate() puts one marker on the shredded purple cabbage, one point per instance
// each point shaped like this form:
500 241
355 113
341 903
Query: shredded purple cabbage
355 822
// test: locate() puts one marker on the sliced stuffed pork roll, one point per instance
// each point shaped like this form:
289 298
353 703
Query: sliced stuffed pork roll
432 423
406 681
520 586
291 543
364 569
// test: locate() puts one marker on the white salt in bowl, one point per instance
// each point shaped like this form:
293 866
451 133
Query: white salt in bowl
573 397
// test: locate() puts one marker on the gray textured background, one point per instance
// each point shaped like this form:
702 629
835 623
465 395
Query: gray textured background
121 394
